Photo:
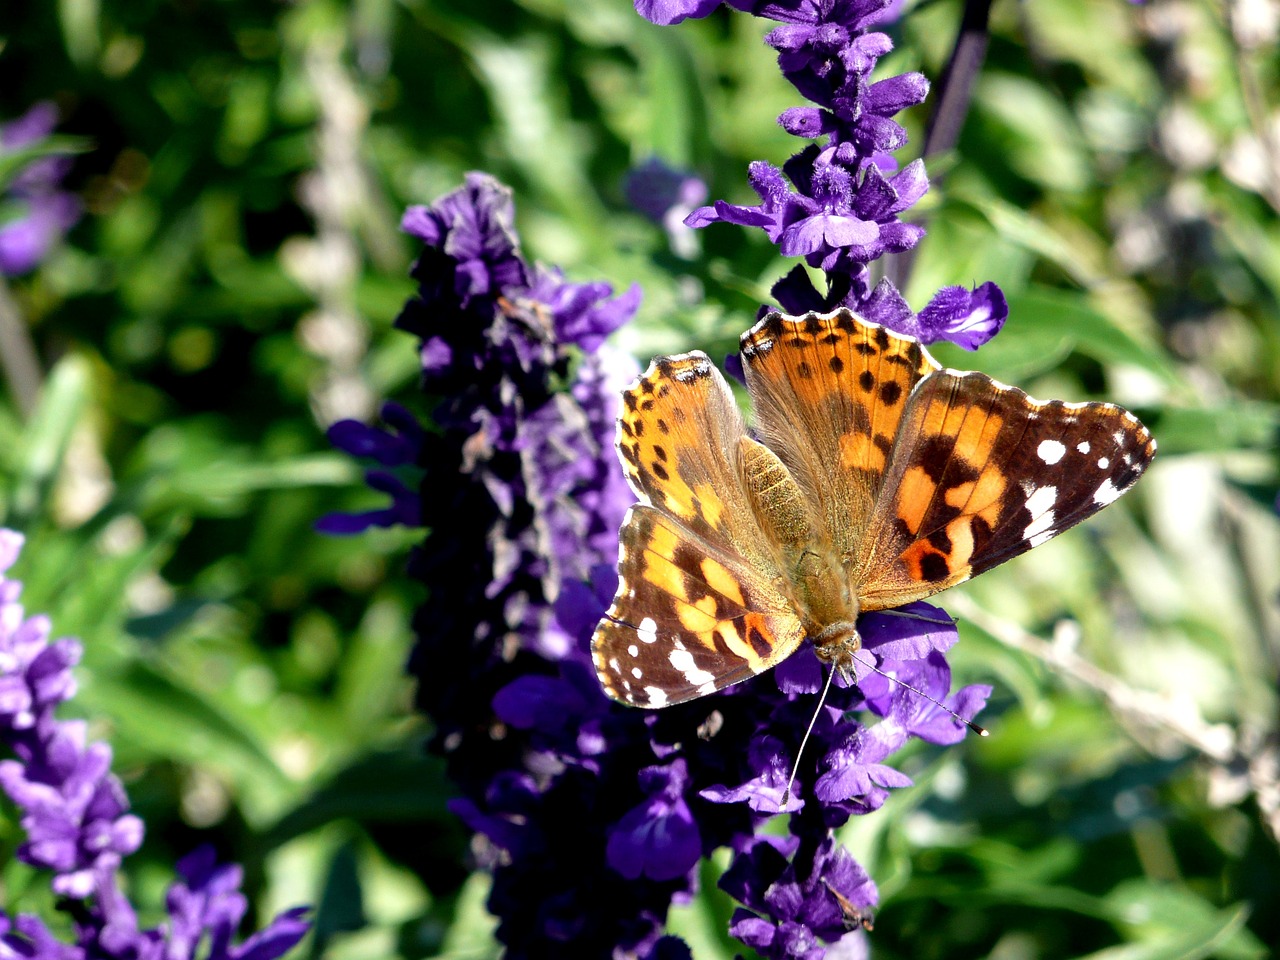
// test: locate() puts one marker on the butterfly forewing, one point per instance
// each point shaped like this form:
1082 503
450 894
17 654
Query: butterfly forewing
697 607
829 393
981 473
678 439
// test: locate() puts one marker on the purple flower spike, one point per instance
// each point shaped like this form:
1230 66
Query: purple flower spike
527 500
45 211
839 205
75 814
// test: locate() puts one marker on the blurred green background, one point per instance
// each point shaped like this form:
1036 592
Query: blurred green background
230 291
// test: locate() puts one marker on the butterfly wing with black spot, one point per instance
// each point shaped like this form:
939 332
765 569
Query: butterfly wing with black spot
699 604
829 393
980 473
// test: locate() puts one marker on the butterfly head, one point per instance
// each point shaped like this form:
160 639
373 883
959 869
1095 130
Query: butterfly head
836 644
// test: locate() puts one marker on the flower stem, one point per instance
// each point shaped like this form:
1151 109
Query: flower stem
18 356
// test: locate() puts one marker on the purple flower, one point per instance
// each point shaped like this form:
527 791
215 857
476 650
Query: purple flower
399 448
968 318
667 196
789 911
838 203
664 12
75 815
41 212
593 817
658 838
473 227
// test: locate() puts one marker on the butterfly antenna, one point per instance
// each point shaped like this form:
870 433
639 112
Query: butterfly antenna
980 731
786 794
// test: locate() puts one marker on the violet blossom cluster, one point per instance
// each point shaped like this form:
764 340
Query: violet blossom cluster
34 211
838 203
75 815
592 817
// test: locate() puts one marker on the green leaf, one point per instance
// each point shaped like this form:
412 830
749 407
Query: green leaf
44 442
1038 135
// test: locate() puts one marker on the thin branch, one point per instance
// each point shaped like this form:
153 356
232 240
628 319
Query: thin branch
1242 757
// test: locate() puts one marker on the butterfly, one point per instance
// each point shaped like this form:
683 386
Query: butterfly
879 478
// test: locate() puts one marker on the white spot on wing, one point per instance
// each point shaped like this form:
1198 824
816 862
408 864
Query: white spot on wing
682 660
1103 463
633 650
1083 446
648 631
1050 451
1040 506
637 672
1107 492
657 696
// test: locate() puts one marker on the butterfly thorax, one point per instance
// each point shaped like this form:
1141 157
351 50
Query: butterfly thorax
815 579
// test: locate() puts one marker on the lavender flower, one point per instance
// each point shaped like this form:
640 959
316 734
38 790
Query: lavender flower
667 196
592 817
833 204
38 212
75 815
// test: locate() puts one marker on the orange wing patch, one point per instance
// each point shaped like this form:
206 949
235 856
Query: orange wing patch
678 440
687 619
829 393
980 473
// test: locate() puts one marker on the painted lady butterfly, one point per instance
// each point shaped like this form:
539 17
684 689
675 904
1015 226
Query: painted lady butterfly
879 479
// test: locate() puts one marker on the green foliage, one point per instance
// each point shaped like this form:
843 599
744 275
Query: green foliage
230 292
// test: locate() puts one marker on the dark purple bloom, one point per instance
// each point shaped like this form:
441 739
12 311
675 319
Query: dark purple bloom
474 228
789 910
658 838
26 936
399 448
40 211
838 204
667 196
75 814
665 12
968 318
770 762
581 313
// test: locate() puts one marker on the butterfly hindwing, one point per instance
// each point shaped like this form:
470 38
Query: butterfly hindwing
981 473
687 618
829 392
